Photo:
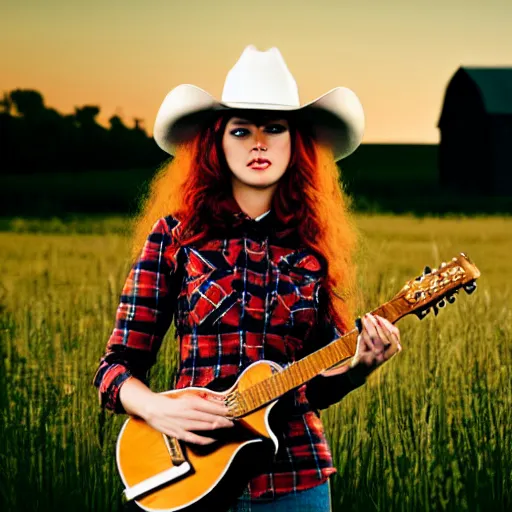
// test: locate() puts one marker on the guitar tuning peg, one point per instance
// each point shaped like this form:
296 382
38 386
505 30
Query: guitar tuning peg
451 298
454 259
443 265
436 310
426 270
470 288
441 303
422 313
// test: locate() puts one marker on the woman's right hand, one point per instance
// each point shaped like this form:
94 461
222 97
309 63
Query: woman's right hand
181 415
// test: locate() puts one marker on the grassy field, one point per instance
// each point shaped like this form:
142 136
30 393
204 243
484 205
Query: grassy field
430 431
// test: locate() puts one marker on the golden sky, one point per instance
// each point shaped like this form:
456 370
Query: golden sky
124 56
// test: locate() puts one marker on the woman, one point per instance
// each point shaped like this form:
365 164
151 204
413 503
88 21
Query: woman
250 249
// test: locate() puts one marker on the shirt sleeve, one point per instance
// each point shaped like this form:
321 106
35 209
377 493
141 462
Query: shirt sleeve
144 314
321 391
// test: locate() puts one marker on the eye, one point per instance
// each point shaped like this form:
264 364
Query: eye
239 132
276 128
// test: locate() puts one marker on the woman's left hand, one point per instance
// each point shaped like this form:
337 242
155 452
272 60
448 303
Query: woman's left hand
377 342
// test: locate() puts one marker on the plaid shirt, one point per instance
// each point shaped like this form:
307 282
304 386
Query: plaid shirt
250 292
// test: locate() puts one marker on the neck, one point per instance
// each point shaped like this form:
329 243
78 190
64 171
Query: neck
253 202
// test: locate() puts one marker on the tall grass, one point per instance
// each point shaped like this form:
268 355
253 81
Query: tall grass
430 431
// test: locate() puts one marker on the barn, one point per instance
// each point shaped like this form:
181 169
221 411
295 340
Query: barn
475 149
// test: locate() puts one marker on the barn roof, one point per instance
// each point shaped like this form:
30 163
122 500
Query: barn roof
495 85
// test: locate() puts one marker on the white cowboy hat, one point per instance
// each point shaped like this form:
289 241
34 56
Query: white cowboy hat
262 81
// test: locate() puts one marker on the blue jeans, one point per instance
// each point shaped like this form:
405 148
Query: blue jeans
316 499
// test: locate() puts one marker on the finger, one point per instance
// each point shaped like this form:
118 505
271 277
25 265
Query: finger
205 417
364 341
363 347
396 346
210 406
390 335
369 326
190 437
391 328
216 398
382 333
189 411
185 435
365 355
383 330
217 422
394 335
375 336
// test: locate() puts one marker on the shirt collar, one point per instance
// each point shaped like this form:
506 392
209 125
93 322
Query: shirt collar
263 226
239 215
257 219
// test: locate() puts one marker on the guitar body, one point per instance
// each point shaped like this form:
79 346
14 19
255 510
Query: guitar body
218 474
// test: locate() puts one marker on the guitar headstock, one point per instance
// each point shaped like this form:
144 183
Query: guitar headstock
434 288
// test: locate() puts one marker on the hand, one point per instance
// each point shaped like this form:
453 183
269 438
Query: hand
179 416
378 341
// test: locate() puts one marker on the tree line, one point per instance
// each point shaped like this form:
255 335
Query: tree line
35 138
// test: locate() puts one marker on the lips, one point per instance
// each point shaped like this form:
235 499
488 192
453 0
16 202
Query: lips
259 163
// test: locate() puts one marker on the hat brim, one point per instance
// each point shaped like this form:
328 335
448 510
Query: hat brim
336 117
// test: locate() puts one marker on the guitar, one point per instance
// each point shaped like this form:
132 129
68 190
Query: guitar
163 474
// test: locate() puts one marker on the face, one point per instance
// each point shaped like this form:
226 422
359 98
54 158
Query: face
244 142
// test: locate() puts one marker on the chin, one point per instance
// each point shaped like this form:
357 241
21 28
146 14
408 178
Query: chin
262 183
265 180
263 186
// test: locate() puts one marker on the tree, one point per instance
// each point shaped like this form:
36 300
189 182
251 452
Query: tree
86 116
6 104
28 103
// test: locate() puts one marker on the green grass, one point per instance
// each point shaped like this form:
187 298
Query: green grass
430 431
71 224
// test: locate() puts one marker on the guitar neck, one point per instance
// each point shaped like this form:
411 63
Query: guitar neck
416 296
340 351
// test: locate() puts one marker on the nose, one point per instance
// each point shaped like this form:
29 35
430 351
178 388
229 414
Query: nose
260 146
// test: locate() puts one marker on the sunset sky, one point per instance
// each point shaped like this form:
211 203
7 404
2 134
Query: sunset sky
124 56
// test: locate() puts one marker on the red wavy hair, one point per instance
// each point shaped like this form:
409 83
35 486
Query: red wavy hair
195 186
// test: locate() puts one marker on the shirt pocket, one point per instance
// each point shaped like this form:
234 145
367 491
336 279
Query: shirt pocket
208 287
297 277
